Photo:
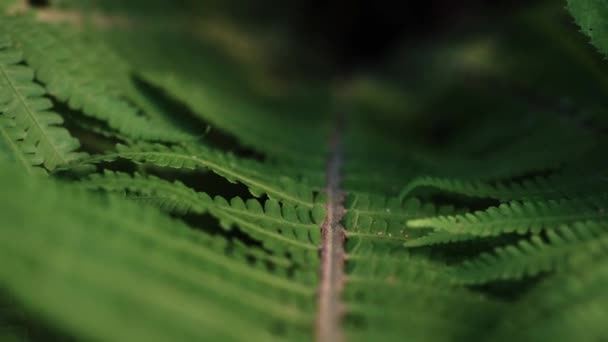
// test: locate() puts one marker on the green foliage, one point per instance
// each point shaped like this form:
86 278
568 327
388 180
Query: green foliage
189 283
591 16
548 319
97 83
164 178
564 247
519 217
280 227
248 172
29 128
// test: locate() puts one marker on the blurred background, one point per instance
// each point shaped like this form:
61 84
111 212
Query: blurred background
431 66
342 34
355 33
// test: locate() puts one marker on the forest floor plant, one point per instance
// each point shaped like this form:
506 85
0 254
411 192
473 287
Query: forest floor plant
160 182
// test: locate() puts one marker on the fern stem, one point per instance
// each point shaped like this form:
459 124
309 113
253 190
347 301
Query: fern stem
330 309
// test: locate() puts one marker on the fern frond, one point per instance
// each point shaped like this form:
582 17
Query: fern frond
591 16
568 306
29 128
520 217
78 82
172 197
523 154
281 228
383 277
226 165
438 238
262 127
380 219
568 185
565 247
388 208
96 254
380 285
348 179
383 219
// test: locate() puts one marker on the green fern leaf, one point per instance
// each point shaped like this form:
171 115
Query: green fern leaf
438 238
380 285
282 228
567 246
226 165
570 184
224 111
569 306
592 17
520 217
32 131
141 242
79 82
96 250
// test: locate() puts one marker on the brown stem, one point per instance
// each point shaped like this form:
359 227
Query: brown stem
329 316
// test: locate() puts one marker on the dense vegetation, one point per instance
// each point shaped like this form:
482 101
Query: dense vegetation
165 178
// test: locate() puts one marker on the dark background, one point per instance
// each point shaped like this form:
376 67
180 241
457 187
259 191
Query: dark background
348 33
359 32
